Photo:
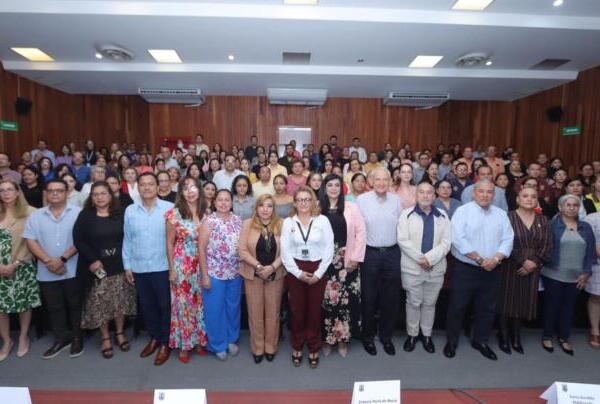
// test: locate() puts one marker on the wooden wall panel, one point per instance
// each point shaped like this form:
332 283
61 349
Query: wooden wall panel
232 120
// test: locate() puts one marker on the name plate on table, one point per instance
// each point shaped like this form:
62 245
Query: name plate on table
572 393
378 392
180 396
15 395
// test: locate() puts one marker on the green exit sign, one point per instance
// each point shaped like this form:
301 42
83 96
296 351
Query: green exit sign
571 130
12 126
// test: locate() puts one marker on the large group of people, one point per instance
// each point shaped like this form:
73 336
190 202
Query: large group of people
321 239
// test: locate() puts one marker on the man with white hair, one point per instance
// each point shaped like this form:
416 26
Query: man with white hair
380 275
482 237
424 238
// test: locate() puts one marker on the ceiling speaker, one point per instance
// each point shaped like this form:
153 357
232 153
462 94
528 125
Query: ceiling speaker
22 106
555 114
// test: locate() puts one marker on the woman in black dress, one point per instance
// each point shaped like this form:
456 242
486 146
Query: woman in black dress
98 236
521 271
33 186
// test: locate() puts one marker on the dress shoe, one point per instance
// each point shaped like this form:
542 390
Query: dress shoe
270 357
162 355
23 348
485 350
222 356
9 346
76 347
550 347
503 344
566 347
149 349
184 357
258 358
343 349
450 350
389 347
410 343
515 342
55 349
428 344
233 349
370 347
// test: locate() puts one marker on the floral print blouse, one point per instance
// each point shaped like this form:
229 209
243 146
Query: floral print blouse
222 253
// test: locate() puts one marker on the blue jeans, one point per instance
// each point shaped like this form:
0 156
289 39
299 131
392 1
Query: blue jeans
222 312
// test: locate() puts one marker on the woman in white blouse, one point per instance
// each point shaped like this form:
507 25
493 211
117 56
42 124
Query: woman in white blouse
306 252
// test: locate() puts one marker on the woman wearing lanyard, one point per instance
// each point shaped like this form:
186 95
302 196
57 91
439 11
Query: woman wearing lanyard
306 252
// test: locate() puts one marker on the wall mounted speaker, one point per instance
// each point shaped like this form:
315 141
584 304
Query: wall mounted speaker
23 106
555 114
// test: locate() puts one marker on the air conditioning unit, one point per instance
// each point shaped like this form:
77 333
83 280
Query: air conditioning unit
172 95
417 100
297 96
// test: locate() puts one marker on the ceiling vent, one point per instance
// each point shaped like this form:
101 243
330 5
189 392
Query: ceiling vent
416 100
472 60
549 64
115 53
295 58
172 95
297 96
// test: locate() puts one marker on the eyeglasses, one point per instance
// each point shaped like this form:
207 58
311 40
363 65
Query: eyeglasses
303 200
56 191
190 188
7 191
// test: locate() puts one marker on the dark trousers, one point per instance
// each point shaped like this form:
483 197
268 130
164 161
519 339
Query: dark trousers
380 285
155 303
559 306
468 283
63 304
305 307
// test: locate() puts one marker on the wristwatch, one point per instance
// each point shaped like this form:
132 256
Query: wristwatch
63 259
259 267
479 261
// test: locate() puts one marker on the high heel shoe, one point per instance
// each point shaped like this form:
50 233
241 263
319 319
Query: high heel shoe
184 357
563 346
548 348
503 344
515 342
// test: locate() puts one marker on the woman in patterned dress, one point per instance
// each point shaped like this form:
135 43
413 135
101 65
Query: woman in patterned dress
187 329
341 302
219 257
518 293
593 286
19 291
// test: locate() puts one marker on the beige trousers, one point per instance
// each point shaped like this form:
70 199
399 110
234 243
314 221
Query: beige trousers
421 295
264 306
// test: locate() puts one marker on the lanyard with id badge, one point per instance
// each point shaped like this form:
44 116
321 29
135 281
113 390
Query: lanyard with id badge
304 251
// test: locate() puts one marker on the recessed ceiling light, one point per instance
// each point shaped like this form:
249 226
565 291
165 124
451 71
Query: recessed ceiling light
33 54
231 57
165 55
98 55
471 5
488 63
301 2
558 3
425 61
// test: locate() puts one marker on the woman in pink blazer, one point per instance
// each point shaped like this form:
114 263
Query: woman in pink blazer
341 303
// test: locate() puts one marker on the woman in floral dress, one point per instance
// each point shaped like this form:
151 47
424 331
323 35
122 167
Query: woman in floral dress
219 256
341 303
187 329
19 291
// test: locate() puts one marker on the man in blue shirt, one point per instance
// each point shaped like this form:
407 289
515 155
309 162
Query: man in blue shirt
49 235
81 171
146 266
460 180
481 238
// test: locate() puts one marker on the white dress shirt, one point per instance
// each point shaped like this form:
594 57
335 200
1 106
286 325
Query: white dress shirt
319 244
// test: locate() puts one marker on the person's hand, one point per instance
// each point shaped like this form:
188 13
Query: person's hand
523 271
129 277
489 264
582 280
266 271
172 276
352 265
306 277
472 255
206 282
54 264
529 265
7 271
94 266
424 263
313 279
